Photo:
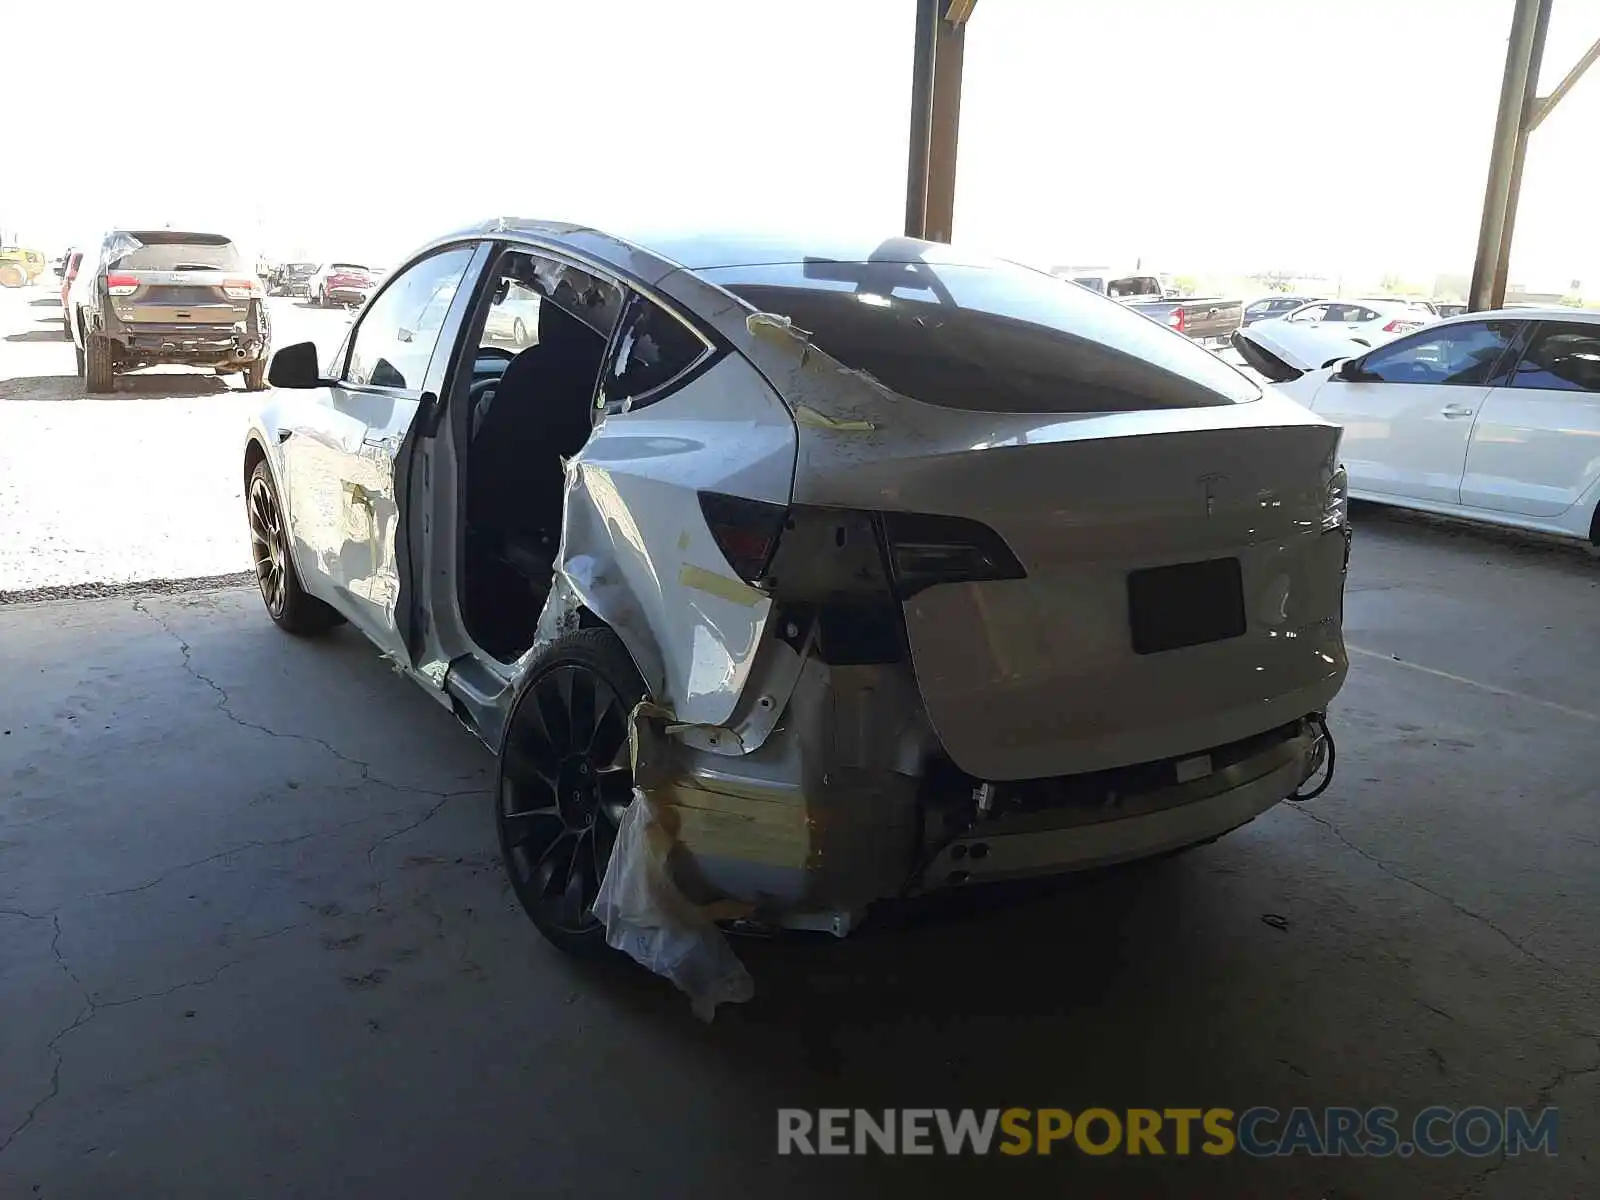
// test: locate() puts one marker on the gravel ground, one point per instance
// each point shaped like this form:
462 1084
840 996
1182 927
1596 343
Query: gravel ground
144 484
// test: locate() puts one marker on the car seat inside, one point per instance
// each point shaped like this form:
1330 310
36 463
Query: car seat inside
523 426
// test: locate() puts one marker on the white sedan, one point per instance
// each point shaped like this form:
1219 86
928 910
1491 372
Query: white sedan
1492 416
1370 322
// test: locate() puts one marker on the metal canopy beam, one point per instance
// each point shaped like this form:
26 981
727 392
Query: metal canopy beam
935 117
1521 112
1542 109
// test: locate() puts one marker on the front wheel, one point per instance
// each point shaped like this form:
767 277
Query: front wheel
564 782
519 333
290 606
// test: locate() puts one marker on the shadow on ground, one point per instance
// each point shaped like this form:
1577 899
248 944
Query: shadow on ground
56 334
148 387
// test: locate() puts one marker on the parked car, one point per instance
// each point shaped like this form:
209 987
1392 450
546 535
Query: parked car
514 318
753 483
1492 416
1268 307
1206 319
345 284
1449 308
1202 318
69 272
1128 288
149 297
292 279
1369 322
1280 351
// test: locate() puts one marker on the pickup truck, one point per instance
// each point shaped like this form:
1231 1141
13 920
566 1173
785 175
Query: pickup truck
1203 318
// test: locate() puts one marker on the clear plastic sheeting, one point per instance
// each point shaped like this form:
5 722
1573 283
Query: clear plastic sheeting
649 919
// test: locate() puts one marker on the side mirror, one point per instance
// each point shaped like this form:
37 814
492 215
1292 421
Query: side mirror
1350 371
295 367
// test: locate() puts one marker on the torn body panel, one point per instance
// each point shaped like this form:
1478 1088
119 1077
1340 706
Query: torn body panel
637 549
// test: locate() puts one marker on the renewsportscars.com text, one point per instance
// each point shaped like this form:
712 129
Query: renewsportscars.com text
1259 1132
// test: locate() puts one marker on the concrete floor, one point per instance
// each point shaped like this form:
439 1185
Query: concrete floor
254 939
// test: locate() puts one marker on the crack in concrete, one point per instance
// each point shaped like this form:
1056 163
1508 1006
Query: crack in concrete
92 1007
1395 873
53 1046
225 702
255 844
433 811
1541 1100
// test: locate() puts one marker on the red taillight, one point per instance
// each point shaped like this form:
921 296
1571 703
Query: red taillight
121 285
746 531
1398 326
1176 320
238 289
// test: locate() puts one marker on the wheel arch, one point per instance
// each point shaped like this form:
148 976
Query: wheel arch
254 453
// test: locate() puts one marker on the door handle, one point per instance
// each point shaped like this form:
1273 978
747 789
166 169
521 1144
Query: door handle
1451 411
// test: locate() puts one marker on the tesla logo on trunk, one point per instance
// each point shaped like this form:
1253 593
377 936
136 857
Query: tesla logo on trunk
1208 484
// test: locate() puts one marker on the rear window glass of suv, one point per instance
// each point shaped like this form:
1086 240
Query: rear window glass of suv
164 250
991 338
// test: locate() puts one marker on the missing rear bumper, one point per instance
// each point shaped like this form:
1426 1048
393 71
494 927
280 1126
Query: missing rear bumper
1059 841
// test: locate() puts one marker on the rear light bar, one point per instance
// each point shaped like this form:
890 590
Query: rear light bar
119 284
922 549
239 289
925 550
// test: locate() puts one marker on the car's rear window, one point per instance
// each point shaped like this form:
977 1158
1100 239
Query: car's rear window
166 250
993 338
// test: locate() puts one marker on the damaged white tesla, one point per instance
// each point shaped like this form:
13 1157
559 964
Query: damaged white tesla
854 571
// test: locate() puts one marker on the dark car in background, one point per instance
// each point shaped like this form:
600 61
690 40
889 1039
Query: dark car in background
292 279
1269 307
153 297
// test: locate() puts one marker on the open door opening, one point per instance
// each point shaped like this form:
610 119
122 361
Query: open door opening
530 409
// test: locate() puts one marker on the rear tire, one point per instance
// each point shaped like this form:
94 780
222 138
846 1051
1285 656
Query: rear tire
98 373
12 276
291 607
563 782
255 376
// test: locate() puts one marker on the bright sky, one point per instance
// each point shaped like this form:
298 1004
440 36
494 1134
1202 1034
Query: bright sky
1198 135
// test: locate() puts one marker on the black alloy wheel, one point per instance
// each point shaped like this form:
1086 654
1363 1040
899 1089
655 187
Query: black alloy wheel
565 781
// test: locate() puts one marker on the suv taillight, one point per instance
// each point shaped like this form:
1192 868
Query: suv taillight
925 550
1176 320
746 531
238 289
121 285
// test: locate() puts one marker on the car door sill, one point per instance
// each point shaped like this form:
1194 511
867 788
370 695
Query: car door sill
479 694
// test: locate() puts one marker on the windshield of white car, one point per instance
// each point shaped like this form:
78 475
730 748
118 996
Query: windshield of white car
998 338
